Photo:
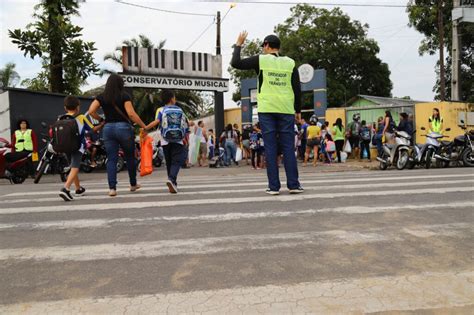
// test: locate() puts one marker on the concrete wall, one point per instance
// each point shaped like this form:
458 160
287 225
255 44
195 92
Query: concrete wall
450 111
5 115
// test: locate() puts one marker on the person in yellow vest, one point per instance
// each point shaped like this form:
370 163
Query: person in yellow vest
279 105
436 122
24 142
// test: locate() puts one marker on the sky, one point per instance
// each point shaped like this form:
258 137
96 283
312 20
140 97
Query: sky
107 23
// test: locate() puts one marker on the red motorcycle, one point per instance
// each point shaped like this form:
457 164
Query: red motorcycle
17 171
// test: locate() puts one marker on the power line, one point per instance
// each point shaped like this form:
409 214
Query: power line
162 10
380 5
200 35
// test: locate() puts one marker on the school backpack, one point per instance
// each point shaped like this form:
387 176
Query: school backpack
330 146
365 133
65 135
173 124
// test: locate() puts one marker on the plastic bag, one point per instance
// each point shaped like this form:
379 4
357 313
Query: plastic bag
238 155
347 147
343 157
146 155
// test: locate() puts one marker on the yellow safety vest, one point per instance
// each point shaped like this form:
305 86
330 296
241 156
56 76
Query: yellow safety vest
276 93
337 133
436 124
24 141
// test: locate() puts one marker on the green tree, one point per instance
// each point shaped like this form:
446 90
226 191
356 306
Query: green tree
433 19
8 76
330 40
67 60
250 48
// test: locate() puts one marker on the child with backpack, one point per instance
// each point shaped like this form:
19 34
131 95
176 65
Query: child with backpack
365 134
174 131
69 138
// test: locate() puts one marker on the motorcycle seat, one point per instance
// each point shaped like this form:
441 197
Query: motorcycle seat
446 143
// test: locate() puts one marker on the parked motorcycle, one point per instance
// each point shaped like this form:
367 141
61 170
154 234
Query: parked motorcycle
460 150
433 146
51 162
396 154
100 157
16 172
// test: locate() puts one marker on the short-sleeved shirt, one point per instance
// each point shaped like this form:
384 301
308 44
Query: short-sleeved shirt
111 114
84 126
313 132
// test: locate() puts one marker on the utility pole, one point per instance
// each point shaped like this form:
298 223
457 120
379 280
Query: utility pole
218 39
456 58
219 96
441 51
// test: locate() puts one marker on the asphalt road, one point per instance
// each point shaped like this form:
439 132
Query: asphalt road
356 241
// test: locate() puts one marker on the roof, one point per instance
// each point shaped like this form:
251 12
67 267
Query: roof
21 90
384 101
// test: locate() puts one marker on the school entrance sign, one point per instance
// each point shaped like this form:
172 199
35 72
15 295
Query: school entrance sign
178 70
180 83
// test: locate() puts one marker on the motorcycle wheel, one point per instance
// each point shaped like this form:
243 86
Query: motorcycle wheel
468 158
86 168
19 178
383 166
40 171
157 162
402 160
120 164
429 156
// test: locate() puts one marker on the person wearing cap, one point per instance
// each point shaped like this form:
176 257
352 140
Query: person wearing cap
279 104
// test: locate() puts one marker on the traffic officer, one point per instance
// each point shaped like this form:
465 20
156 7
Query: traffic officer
24 142
436 122
279 104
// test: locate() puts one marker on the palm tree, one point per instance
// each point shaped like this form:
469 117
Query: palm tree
8 76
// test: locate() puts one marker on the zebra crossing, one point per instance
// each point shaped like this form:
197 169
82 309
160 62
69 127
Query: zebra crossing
354 242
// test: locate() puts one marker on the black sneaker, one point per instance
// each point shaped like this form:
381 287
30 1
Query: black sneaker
65 194
172 187
81 191
272 192
298 190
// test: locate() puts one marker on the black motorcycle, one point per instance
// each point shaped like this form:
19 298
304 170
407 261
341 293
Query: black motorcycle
100 157
459 151
51 162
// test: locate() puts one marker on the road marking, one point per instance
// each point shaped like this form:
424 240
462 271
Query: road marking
430 290
239 191
232 216
212 245
193 202
260 183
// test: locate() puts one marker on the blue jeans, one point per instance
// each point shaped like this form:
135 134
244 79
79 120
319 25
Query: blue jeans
279 129
175 156
120 134
230 151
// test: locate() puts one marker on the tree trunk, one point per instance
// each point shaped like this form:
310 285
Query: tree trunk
442 75
56 54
